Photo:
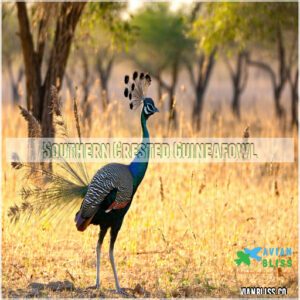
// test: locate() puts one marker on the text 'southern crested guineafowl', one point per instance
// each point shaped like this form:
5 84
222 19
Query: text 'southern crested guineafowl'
111 190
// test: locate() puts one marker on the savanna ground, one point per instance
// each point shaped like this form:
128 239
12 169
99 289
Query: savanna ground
186 223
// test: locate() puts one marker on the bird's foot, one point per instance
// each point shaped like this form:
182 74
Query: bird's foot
123 293
94 287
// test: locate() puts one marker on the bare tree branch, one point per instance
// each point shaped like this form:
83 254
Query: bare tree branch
211 61
231 72
42 32
245 72
266 68
190 72
64 33
33 76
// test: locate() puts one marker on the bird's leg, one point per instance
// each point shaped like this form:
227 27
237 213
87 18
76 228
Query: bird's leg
112 261
98 251
113 237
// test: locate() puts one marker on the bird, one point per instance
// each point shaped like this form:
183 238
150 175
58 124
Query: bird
105 199
110 193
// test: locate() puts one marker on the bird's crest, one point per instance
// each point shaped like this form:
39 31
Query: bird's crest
136 88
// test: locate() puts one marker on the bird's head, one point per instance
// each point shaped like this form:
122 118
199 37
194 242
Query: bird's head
149 108
136 90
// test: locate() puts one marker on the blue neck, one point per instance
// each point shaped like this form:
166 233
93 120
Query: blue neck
139 165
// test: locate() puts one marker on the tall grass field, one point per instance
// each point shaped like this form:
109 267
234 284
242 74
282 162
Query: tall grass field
185 226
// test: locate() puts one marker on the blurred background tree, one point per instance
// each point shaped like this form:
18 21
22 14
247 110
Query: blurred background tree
161 47
238 29
46 31
185 44
276 25
101 39
11 53
218 26
199 64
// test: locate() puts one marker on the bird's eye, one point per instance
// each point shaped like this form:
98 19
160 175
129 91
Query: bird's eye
150 107
146 110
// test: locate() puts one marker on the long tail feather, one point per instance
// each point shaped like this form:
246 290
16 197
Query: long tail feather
50 193
54 193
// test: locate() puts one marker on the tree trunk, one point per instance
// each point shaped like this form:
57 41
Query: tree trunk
38 92
278 108
104 93
172 109
277 85
235 104
172 101
200 83
198 106
15 82
160 86
239 77
236 78
69 83
65 28
282 75
104 75
159 91
32 70
86 74
294 98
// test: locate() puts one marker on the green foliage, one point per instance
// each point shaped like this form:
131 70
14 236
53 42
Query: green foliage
102 34
11 47
162 38
238 25
103 22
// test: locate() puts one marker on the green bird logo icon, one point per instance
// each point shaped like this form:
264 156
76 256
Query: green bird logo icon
242 258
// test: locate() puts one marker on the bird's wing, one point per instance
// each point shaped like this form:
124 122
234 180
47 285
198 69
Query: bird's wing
108 178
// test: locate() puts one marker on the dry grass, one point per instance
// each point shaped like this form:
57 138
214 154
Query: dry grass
183 229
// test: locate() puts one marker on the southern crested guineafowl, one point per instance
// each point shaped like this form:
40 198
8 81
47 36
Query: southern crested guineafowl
112 189
107 198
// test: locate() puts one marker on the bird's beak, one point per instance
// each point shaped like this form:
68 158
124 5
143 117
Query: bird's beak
156 109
